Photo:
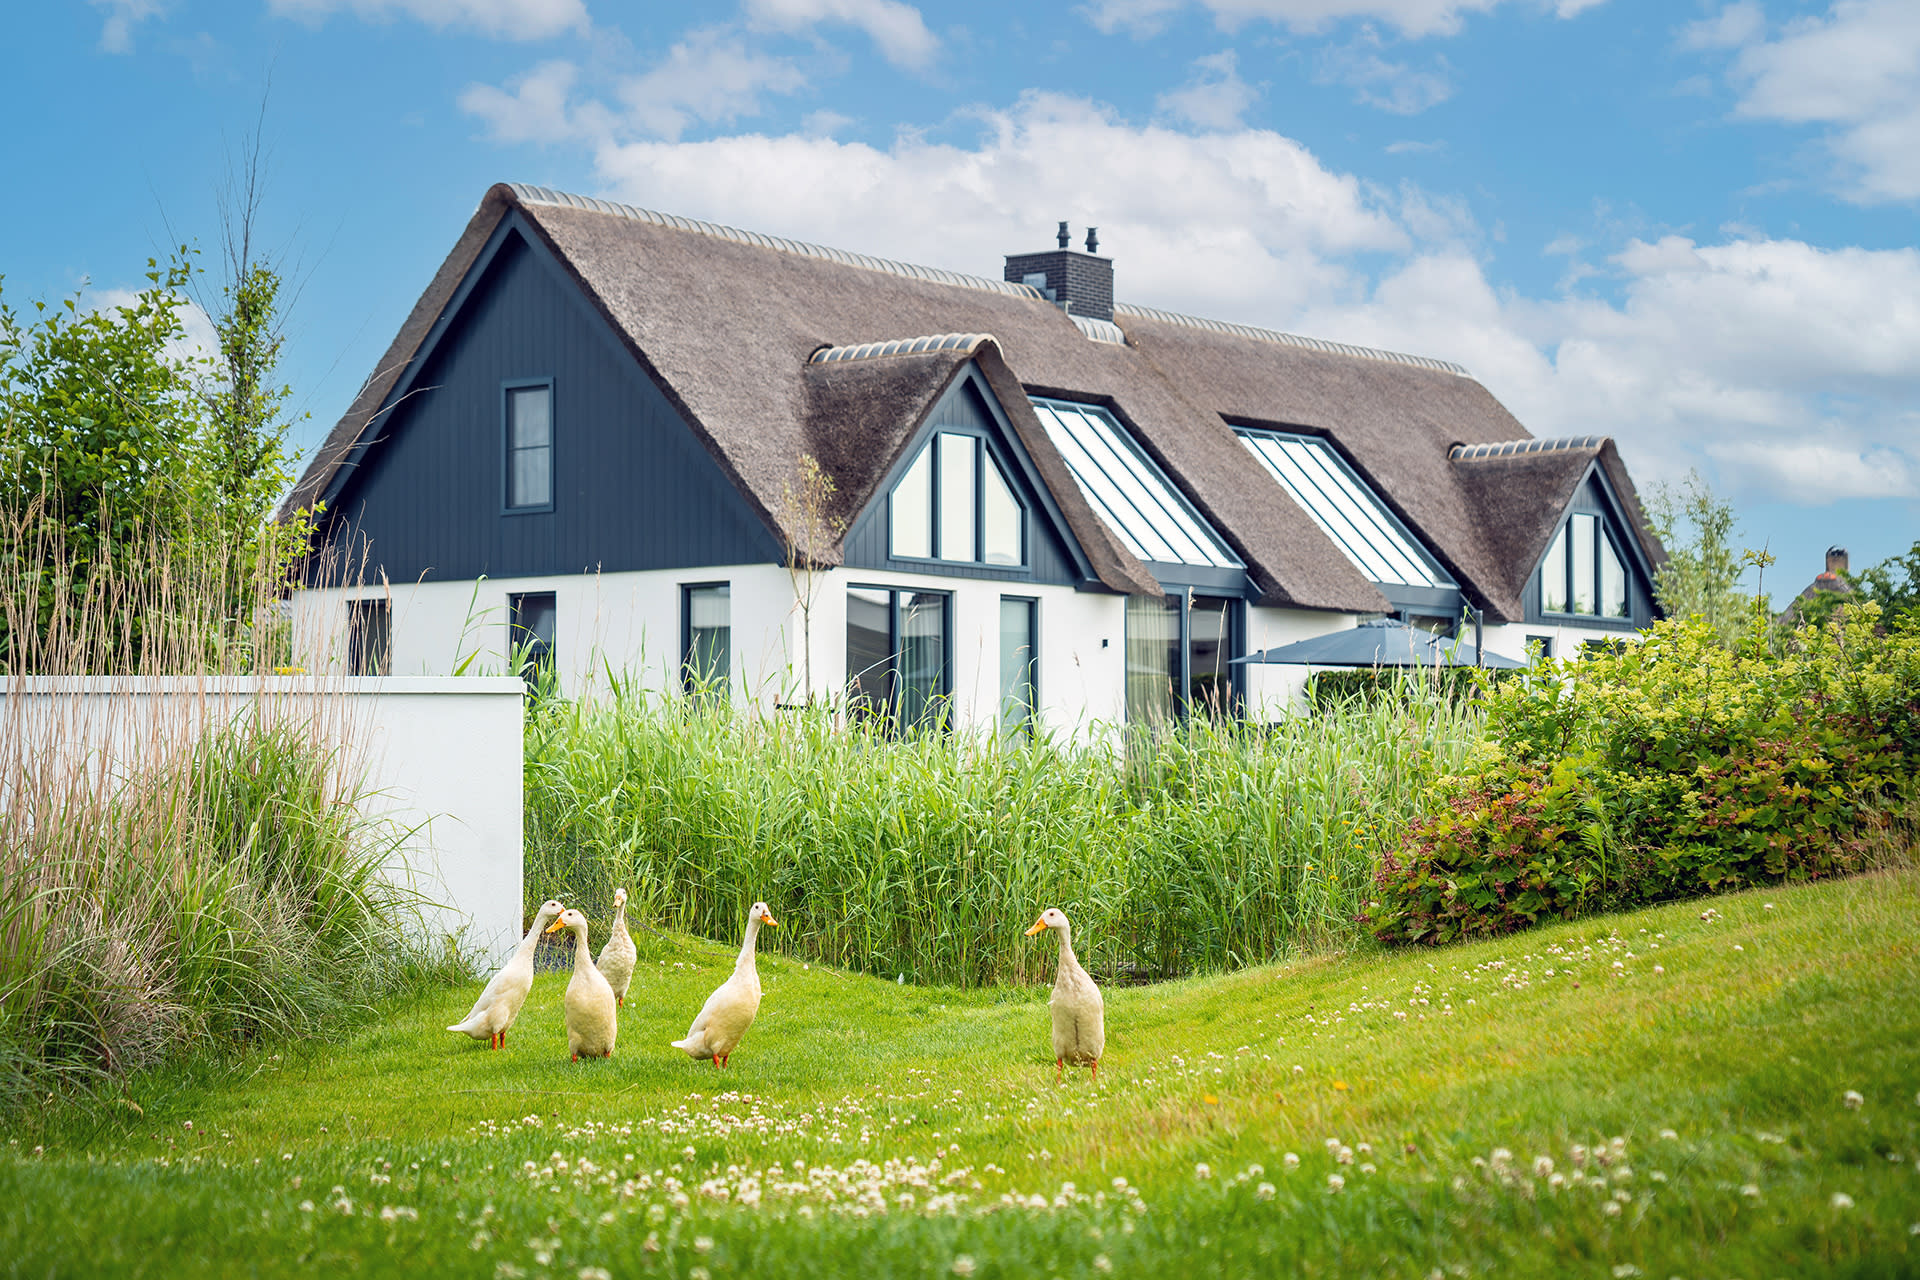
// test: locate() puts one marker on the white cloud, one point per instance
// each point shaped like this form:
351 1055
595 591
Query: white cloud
709 77
1409 17
506 19
1737 24
1783 369
116 33
1390 86
1226 222
1215 98
896 28
1856 69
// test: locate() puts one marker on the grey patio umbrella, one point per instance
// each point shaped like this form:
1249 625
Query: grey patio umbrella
1385 642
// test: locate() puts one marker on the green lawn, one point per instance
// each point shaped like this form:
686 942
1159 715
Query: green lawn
1375 1114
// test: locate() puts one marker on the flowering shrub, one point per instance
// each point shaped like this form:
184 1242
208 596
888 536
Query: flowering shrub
1670 769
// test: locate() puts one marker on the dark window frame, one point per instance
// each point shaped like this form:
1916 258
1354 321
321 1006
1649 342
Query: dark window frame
1027 728
688 677
1233 641
357 610
1545 642
1603 540
507 388
986 452
943 692
543 653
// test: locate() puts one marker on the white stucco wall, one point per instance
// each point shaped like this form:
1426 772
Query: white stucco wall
440 757
1276 691
1509 639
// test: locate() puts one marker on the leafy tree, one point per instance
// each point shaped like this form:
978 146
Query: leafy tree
1701 577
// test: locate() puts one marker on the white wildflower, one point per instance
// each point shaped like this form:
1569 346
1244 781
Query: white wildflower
1853 1099
1750 1191
1335 1182
1841 1200
1290 1160
1264 1191
1202 1171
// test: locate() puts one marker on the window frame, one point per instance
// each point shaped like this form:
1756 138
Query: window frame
507 388
1233 641
543 658
1603 543
356 649
1027 727
687 675
896 684
986 453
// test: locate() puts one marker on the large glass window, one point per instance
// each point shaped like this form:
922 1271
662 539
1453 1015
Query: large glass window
897 656
530 633
1178 653
953 503
1127 490
1153 660
1583 572
1019 664
1345 508
530 446
370 637
706 654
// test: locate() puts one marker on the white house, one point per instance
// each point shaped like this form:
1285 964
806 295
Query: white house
639 443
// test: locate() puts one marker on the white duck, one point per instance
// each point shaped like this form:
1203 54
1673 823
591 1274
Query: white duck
591 1022
499 1004
729 1011
1079 1017
618 955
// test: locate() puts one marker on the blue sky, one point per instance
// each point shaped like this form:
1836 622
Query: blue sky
1687 225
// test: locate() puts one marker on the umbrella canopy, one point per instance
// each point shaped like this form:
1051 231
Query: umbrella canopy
1386 642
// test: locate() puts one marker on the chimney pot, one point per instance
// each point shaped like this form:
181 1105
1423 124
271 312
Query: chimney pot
1093 239
1063 236
1081 284
1836 560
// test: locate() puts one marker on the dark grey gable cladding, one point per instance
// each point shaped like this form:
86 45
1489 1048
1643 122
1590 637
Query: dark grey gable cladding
968 404
632 486
1595 495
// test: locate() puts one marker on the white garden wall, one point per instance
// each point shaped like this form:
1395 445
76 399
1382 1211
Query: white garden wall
439 756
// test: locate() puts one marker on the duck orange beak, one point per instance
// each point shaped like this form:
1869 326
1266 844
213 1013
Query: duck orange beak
556 926
1038 925
766 917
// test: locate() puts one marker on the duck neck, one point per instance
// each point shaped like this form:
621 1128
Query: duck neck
532 940
1067 958
746 944
582 957
619 915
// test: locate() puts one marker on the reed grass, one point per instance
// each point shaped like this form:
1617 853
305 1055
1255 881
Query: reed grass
1208 847
182 870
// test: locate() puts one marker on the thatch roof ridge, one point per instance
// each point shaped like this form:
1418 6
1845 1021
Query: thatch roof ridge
1289 339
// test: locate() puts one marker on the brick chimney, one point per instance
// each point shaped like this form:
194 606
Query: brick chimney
1081 284
1836 560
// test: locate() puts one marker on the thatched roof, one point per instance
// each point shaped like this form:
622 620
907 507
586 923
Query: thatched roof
727 323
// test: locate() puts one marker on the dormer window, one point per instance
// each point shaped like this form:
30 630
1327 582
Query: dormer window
954 503
1583 572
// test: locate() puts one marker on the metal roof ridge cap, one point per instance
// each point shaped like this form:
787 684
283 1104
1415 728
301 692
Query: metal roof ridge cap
530 194
1292 339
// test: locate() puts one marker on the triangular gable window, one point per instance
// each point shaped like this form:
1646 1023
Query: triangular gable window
1583 572
953 503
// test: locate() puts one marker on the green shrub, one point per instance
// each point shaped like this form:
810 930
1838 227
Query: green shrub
1207 847
1670 769
1327 690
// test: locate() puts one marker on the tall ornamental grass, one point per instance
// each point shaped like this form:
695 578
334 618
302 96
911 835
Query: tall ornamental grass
1211 846
178 872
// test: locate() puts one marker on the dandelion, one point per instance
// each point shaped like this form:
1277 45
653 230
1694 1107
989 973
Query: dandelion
1264 1191
1335 1182
1542 1166
1841 1200
1202 1171
1853 1100
1290 1160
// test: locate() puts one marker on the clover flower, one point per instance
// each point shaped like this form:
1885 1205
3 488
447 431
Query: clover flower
1841 1200
1852 1099
1335 1182
962 1265
1264 1191
1290 1160
1202 1171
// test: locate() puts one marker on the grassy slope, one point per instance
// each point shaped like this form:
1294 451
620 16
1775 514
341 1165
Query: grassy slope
1743 1047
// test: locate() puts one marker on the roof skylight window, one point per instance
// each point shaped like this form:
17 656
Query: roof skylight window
1127 491
1346 510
